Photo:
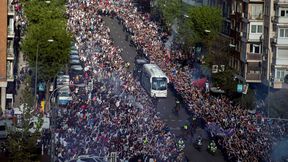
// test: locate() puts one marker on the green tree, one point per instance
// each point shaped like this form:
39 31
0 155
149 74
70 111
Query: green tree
21 141
52 56
201 24
170 10
39 11
46 22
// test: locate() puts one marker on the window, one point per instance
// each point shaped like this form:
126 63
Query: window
255 48
256 28
280 74
256 11
284 13
283 32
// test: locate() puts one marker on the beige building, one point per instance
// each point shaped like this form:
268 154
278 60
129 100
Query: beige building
275 45
6 52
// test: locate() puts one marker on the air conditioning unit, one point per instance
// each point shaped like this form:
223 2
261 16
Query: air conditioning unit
241 34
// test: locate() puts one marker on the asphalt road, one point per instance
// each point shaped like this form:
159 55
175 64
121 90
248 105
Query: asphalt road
165 105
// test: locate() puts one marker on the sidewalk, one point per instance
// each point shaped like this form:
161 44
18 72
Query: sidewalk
21 63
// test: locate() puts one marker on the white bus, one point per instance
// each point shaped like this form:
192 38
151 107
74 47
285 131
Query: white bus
154 80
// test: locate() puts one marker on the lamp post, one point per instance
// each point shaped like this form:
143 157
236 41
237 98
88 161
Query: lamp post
36 69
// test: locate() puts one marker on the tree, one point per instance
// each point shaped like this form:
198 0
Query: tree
22 142
170 10
46 21
39 11
201 24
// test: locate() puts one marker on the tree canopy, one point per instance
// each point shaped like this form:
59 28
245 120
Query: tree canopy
169 9
51 55
46 21
200 24
39 11
22 142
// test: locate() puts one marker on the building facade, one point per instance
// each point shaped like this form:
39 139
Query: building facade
275 47
259 31
6 53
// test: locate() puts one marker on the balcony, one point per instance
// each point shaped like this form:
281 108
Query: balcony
10 33
254 57
256 0
281 2
10 54
256 17
253 77
10 77
11 10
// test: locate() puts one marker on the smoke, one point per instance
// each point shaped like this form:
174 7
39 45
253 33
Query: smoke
280 151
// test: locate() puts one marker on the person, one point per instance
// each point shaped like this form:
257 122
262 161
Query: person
181 144
177 106
186 129
212 147
199 143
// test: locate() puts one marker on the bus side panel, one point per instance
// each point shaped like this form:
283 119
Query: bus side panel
145 80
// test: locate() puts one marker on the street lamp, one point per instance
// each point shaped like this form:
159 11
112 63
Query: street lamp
48 2
36 69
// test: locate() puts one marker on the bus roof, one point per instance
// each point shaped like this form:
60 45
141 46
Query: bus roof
154 70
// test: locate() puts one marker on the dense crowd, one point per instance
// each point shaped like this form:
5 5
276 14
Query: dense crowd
117 115
242 137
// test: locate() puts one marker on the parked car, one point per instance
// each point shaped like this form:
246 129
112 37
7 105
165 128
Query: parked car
74 57
88 158
76 68
74 52
75 62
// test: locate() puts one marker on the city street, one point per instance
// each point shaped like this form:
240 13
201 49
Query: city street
165 105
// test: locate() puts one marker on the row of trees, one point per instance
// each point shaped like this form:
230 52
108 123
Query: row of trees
200 25
47 41
195 24
46 44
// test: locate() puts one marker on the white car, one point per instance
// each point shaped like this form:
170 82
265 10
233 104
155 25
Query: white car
74 56
74 61
76 67
88 158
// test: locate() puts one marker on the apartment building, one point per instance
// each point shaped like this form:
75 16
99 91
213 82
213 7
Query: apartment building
275 47
6 53
243 24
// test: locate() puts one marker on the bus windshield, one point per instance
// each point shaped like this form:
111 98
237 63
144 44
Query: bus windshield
159 83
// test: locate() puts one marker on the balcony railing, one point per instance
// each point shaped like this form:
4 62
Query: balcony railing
256 17
281 1
10 32
10 54
11 10
254 56
253 77
10 76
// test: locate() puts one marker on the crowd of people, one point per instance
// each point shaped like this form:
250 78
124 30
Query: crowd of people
116 115
243 138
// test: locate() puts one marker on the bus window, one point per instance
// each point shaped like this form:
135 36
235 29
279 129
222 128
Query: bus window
159 83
